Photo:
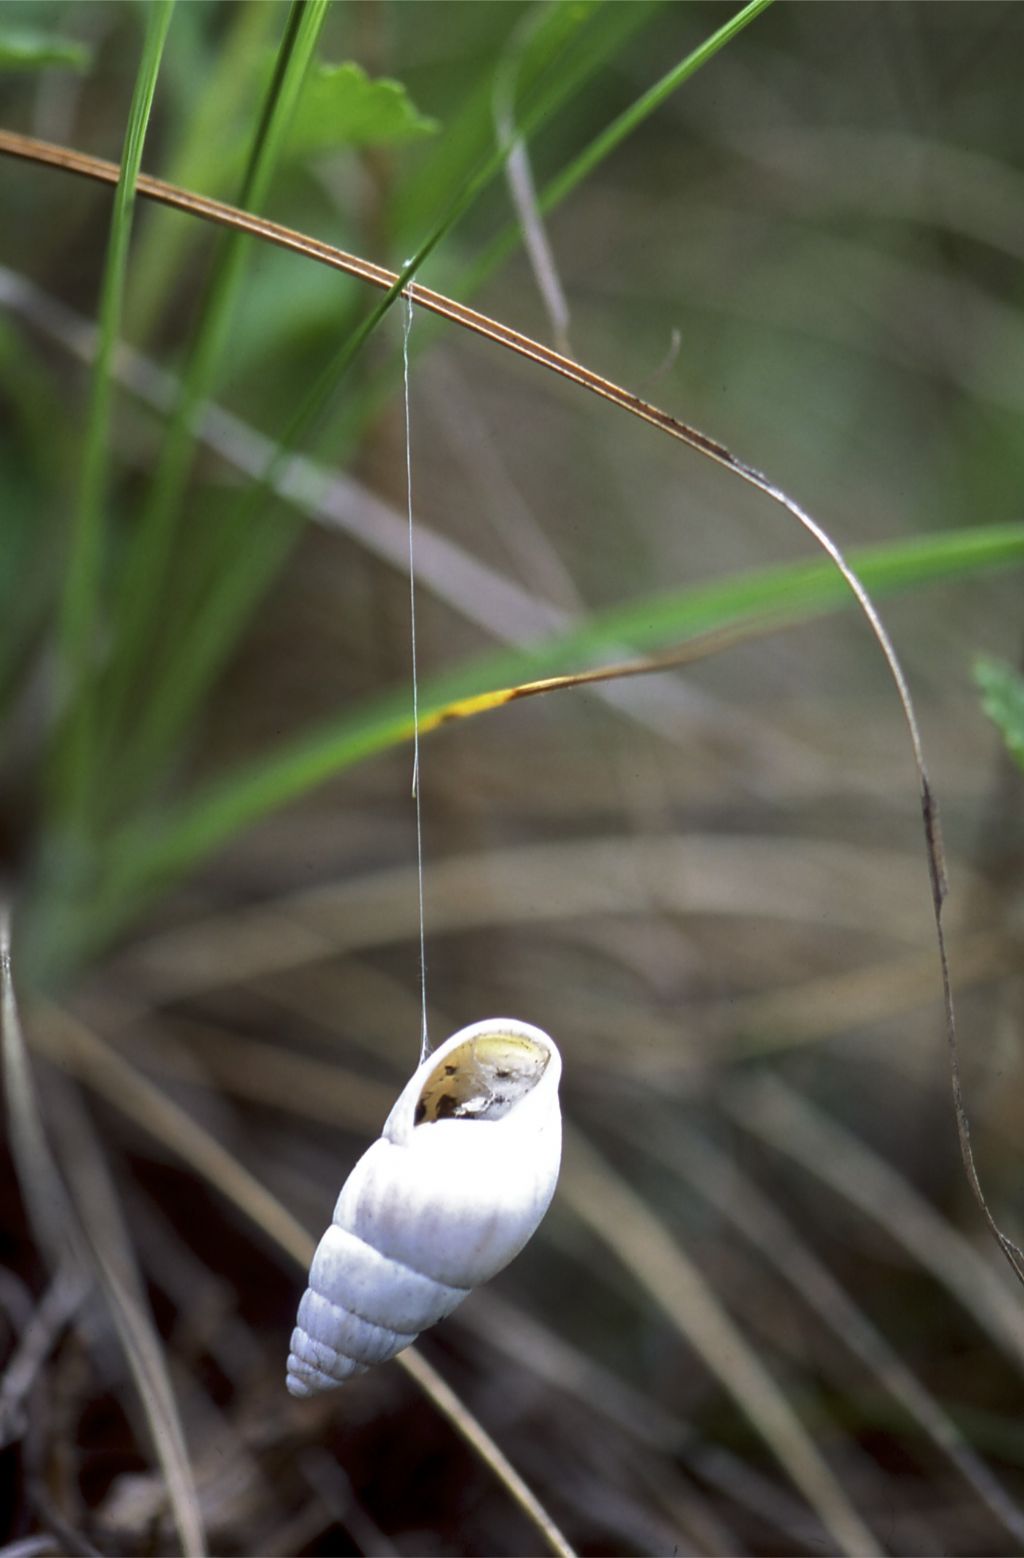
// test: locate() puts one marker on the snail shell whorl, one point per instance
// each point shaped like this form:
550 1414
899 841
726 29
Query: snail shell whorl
462 1174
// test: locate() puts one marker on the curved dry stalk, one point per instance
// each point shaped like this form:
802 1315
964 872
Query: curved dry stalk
827 1005
503 1327
718 874
71 1044
71 161
736 1197
43 1192
75 1257
36 1339
478 1439
624 1223
334 500
267 1073
521 185
28 148
790 1123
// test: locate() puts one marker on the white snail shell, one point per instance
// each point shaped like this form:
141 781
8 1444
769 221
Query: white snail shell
461 1176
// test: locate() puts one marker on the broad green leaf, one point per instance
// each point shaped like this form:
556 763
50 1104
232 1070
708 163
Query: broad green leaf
22 48
1002 698
342 106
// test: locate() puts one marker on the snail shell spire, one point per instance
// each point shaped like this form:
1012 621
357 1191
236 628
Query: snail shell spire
458 1181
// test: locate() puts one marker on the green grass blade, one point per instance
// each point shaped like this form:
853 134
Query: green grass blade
609 138
75 756
198 159
241 572
151 549
587 160
150 853
439 176
630 120
23 48
1002 698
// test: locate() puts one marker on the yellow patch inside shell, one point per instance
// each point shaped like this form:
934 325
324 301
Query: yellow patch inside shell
482 1079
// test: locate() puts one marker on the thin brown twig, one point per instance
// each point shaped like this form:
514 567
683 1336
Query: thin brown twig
66 158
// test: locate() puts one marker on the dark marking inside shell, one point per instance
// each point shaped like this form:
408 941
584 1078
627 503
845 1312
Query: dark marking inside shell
483 1079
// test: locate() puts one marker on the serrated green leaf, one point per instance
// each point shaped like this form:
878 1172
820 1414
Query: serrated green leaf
21 48
1002 698
342 106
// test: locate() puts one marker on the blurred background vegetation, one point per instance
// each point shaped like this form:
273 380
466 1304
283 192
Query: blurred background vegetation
763 1314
